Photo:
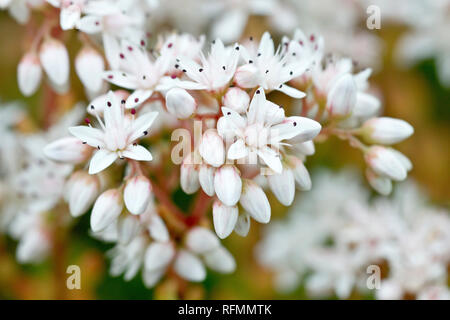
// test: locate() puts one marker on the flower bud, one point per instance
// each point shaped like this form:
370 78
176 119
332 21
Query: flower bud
301 174
33 246
83 190
228 185
236 99
247 76
243 225
224 218
189 176
55 61
137 194
283 186
89 66
342 97
189 267
127 228
381 184
158 255
29 74
68 150
385 130
212 148
220 260
180 103
385 163
255 202
206 179
106 209
403 159
201 240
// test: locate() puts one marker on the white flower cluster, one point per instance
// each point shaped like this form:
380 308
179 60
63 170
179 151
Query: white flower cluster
250 142
330 238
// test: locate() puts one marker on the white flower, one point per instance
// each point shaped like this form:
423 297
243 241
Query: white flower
265 124
55 61
139 72
29 74
270 69
117 135
89 67
214 72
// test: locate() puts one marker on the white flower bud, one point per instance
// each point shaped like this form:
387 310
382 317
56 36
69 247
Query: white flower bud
366 105
180 103
106 209
247 76
381 184
228 185
224 218
301 174
385 163
158 255
68 150
29 74
83 190
33 246
89 66
255 202
403 159
283 186
243 225
55 61
137 194
212 148
189 267
206 179
236 99
386 130
220 260
189 176
342 97
201 240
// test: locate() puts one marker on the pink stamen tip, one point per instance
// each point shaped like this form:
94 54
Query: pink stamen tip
312 37
142 43
121 56
130 48
136 100
173 76
87 120
169 45
133 111
110 77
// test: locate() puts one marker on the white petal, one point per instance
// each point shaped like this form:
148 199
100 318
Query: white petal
283 186
385 163
224 218
381 184
55 61
121 79
29 74
292 92
189 178
386 130
180 103
84 190
137 98
302 128
69 17
89 66
141 125
112 50
101 160
189 267
89 135
90 24
237 150
342 97
212 148
68 150
301 174
137 152
271 158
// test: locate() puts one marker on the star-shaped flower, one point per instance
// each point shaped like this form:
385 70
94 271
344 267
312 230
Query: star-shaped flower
117 136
